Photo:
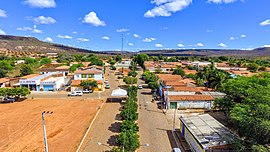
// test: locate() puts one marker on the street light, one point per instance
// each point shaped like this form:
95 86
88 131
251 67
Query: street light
145 145
44 129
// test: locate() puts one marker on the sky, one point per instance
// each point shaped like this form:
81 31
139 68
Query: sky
144 24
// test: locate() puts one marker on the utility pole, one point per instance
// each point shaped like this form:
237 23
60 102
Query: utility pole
44 130
122 47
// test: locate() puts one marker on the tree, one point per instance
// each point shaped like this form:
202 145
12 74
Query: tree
74 67
30 61
132 73
96 61
87 84
129 140
118 58
26 70
113 68
153 85
45 61
140 58
179 71
129 125
130 80
253 67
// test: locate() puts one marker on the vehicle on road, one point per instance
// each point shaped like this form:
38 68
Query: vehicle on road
106 81
176 150
75 93
140 86
87 91
8 100
107 86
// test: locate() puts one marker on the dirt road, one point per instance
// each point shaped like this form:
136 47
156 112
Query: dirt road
21 128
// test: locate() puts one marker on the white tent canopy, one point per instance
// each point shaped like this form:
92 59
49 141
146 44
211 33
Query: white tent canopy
119 93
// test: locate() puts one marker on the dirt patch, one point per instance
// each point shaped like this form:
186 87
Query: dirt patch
51 135
21 126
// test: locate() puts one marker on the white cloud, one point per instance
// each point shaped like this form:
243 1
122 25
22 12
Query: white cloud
3 13
222 1
181 45
40 3
243 36
158 45
222 45
37 31
199 44
136 35
48 39
74 32
24 28
44 20
92 18
266 22
82 40
232 38
122 30
267 45
2 32
209 31
165 28
167 7
105 38
149 39
64 36
130 44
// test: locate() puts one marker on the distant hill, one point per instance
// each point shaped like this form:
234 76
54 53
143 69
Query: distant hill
258 52
31 44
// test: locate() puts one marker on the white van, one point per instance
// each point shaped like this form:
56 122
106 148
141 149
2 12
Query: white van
79 93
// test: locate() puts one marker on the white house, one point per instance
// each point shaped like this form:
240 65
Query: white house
123 64
88 74
45 82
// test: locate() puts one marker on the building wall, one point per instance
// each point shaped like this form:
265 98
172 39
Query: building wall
193 143
80 77
193 104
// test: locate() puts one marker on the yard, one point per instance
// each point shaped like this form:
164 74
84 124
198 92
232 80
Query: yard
21 127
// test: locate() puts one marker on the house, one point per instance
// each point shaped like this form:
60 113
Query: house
64 70
52 55
125 63
241 73
195 101
45 82
88 74
4 82
19 62
203 133
75 85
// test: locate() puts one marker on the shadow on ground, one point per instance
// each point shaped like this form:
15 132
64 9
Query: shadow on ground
115 127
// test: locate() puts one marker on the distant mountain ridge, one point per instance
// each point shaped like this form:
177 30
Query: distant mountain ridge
258 52
21 44
31 44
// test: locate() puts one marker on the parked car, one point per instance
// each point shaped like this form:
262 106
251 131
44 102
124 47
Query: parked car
140 86
176 150
88 91
8 100
106 81
75 93
107 86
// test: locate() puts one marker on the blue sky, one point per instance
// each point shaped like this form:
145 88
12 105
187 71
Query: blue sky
144 24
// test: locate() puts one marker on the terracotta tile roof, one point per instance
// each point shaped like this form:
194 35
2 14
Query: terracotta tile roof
173 83
223 64
169 64
91 71
99 81
75 83
169 77
186 89
64 67
196 97
30 76
242 73
188 80
3 80
190 71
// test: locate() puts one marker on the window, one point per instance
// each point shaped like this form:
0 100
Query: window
83 75
90 75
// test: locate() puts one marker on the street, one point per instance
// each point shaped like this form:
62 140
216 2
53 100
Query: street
154 128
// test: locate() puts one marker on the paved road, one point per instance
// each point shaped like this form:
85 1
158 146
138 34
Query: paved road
154 128
106 125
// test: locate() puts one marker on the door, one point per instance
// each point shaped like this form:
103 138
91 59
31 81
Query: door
173 105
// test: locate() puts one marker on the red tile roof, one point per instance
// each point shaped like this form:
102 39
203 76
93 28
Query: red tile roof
186 89
30 76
